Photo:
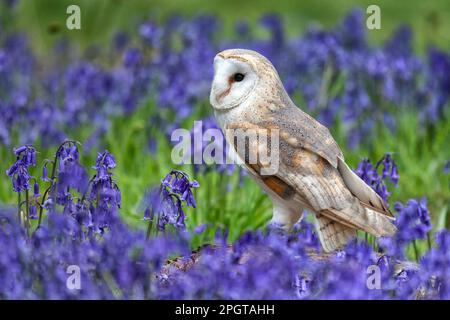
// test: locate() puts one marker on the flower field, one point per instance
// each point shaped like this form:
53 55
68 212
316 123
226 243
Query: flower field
88 180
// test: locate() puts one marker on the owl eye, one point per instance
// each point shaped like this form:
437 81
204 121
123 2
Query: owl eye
238 77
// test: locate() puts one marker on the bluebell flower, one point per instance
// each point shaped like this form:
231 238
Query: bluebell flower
370 175
242 29
438 82
36 192
120 40
447 167
18 172
166 202
352 33
274 23
150 33
132 58
434 268
33 212
200 228
70 173
45 173
105 195
413 220
178 183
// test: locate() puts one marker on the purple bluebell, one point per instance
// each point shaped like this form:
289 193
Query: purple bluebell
69 172
413 220
434 269
200 228
18 172
370 175
165 204
104 195
150 33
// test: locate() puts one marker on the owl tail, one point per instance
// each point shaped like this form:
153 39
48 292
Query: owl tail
332 234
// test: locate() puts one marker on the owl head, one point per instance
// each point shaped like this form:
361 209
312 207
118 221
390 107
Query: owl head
238 73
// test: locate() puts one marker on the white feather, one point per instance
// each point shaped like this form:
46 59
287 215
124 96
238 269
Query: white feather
360 189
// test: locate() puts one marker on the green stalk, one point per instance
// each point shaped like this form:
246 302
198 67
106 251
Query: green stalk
416 251
27 210
149 228
324 86
157 223
19 200
41 206
429 240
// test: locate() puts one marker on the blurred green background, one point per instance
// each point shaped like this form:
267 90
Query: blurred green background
44 20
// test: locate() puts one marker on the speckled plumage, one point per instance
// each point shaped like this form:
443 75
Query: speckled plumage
312 173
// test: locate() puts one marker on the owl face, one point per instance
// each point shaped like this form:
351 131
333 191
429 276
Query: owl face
235 77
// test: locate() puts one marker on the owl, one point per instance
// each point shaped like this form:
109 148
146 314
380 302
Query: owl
247 95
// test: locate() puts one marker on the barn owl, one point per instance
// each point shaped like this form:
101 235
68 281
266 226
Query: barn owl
247 94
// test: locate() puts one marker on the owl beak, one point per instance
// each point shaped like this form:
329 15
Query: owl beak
222 95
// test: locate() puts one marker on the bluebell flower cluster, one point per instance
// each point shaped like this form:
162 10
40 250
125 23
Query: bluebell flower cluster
120 265
413 223
18 172
370 174
434 271
70 173
272 266
413 220
82 228
104 196
165 204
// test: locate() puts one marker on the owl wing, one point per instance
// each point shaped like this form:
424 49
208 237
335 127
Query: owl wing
320 186
302 131
309 173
